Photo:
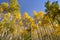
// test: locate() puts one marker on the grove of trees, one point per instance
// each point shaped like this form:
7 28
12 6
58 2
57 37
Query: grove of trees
42 26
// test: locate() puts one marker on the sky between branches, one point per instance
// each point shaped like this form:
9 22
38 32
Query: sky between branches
31 5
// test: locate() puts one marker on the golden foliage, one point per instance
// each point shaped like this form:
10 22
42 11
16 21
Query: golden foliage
1 9
5 5
23 26
41 14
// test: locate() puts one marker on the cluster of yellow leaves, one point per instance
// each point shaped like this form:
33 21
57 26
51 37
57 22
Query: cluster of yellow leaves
31 20
15 31
22 31
35 14
1 9
6 16
38 14
34 26
5 5
26 15
40 23
41 14
19 23
57 29
17 15
14 4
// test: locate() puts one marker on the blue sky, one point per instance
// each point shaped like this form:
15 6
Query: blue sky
31 5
